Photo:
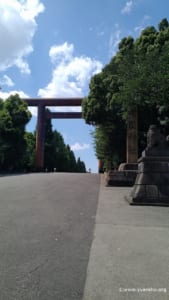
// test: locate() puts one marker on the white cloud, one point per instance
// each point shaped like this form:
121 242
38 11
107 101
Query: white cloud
32 8
62 52
22 65
33 110
79 147
71 74
127 8
17 28
114 40
6 80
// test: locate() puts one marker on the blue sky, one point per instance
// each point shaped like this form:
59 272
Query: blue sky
51 48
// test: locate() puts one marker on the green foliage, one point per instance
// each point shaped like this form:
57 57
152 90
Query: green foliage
146 115
14 115
137 76
163 25
59 156
80 166
109 144
29 157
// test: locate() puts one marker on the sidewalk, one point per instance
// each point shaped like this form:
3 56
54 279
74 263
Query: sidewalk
129 258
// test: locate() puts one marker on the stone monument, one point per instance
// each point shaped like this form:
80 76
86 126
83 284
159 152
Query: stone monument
152 182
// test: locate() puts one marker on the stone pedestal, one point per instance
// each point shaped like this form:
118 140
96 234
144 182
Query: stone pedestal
152 182
120 178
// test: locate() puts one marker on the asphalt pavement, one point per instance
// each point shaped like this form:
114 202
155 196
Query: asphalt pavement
46 231
68 237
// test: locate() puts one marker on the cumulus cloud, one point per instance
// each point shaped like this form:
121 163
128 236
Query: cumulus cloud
33 110
79 147
6 80
17 28
114 40
127 8
62 52
71 74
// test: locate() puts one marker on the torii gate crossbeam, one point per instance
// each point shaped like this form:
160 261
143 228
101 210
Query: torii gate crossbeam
42 115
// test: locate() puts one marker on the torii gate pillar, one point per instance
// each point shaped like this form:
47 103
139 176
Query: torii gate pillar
40 137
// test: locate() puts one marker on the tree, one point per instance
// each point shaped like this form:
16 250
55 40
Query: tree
110 145
80 167
14 115
57 155
163 25
60 157
49 150
29 157
71 161
138 75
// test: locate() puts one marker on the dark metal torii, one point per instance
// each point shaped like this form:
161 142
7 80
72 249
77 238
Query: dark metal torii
43 114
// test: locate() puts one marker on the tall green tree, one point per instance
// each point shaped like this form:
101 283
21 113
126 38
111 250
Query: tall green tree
71 160
138 75
14 115
110 145
80 167
49 150
29 157
58 156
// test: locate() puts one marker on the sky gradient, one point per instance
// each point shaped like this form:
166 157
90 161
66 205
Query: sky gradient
51 48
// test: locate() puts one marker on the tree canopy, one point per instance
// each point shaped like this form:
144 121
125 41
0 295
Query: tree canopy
137 76
14 115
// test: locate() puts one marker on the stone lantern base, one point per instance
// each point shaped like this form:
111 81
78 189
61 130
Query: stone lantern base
124 176
152 182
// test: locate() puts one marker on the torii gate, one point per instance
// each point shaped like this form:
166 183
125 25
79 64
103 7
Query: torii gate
42 115
132 131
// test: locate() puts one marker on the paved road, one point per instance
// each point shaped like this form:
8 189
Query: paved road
46 231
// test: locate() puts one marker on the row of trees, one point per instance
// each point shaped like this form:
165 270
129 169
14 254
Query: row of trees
58 155
17 147
136 77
